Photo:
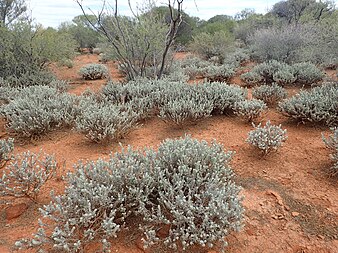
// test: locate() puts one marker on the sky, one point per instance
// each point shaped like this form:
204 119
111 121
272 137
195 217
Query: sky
53 12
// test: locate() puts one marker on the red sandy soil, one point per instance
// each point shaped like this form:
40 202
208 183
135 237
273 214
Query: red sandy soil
291 205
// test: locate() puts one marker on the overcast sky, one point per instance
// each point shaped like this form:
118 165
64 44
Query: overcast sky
53 12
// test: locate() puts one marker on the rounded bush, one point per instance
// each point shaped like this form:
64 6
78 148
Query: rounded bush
186 186
307 73
267 138
250 109
317 105
270 94
94 71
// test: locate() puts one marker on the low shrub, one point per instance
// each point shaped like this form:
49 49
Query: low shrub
37 110
190 104
285 76
251 78
307 73
31 78
94 71
270 94
332 143
220 73
187 185
267 138
6 148
267 70
104 122
250 110
26 174
224 96
317 105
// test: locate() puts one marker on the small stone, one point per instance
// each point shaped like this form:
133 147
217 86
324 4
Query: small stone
321 237
287 208
15 211
295 214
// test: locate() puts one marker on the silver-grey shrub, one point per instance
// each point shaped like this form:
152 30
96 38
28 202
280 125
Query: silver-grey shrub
187 185
101 121
250 110
94 71
251 78
267 138
284 76
307 73
187 104
196 195
224 96
332 143
6 148
26 174
270 94
221 73
37 110
317 105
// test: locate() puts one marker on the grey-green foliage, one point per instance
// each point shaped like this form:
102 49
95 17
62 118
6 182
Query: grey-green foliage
332 143
6 148
270 94
94 71
267 70
281 73
267 138
196 195
186 185
26 174
37 110
31 78
194 66
285 76
317 105
224 96
102 121
251 78
221 73
186 104
250 110
307 73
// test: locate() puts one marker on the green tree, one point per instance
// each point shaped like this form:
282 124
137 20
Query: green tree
27 48
82 32
11 10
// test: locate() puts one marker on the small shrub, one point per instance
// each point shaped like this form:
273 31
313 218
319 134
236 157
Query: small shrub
267 138
196 195
307 73
37 110
104 122
31 78
6 148
332 143
190 105
251 78
186 185
26 174
250 110
318 105
94 71
224 97
220 73
270 94
267 70
284 76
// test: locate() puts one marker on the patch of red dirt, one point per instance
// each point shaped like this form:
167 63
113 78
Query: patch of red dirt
290 203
